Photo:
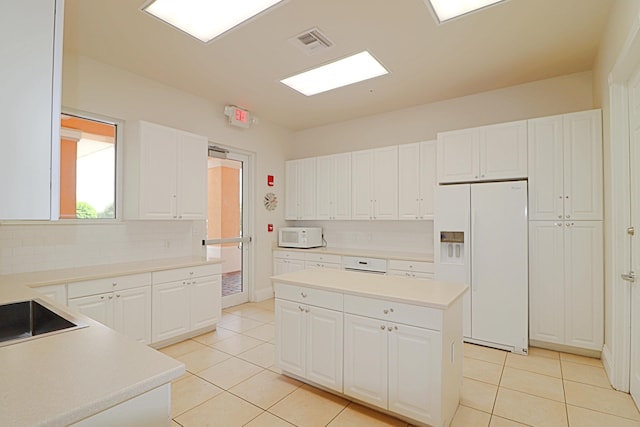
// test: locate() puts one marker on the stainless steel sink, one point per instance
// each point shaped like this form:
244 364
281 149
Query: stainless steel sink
30 319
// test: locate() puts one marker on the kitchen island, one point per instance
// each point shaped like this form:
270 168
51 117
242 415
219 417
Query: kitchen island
391 343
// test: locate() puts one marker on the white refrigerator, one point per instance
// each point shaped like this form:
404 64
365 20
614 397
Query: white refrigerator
480 238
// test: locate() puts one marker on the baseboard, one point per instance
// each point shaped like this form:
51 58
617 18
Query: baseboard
263 294
566 349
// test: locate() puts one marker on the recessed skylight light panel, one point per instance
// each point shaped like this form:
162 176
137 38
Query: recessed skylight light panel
449 9
206 19
353 69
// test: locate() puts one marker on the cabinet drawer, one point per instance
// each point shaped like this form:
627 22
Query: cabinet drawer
421 266
186 273
288 255
323 258
411 274
408 314
318 264
108 284
309 296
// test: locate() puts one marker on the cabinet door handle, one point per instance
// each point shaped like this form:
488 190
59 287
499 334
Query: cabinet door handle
304 295
385 311
114 284
300 308
382 327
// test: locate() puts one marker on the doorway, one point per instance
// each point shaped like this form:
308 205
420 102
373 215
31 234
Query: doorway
228 213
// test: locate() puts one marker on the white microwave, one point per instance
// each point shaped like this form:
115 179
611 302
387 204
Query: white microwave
300 237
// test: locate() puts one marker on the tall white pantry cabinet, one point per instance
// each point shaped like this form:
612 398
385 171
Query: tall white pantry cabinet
565 230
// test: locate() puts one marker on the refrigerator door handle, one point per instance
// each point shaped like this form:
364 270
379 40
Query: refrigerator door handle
471 251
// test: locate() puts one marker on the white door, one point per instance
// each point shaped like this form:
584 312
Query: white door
361 189
384 175
290 334
503 151
324 347
228 221
427 178
158 172
170 314
132 313
458 156
634 161
204 293
191 175
366 360
291 202
499 263
97 307
408 186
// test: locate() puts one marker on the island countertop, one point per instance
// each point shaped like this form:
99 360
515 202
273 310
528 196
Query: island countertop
423 292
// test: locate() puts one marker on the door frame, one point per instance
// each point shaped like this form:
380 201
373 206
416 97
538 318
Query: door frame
616 353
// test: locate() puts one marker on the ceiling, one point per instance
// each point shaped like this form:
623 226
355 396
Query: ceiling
512 43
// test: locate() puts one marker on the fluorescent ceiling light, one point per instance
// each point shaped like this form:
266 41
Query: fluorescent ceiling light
353 69
449 9
206 19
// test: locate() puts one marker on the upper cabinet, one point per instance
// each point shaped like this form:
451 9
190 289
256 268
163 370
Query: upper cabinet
31 53
165 173
416 180
374 183
486 153
333 185
565 167
300 202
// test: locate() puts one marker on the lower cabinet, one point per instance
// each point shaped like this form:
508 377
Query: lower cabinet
414 269
57 293
287 262
310 342
185 300
393 366
121 303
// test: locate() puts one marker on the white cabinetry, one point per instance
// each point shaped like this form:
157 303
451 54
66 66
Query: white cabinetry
287 262
166 173
316 260
565 167
122 303
416 180
57 293
415 269
333 185
309 334
394 357
30 108
185 300
300 202
486 153
374 183
566 283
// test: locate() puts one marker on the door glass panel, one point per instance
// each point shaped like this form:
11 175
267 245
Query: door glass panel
225 221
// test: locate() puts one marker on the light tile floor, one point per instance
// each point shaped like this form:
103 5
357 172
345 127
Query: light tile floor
231 381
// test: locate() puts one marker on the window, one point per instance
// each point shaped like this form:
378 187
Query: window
87 168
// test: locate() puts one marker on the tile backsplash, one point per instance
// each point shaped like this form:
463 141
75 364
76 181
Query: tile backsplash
50 246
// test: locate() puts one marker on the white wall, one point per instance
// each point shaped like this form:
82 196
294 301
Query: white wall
101 89
543 98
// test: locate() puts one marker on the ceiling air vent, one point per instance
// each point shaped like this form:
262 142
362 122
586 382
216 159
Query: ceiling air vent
311 41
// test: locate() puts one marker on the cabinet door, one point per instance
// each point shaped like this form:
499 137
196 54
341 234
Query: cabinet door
365 359
97 307
30 87
206 301
546 168
341 186
192 176
409 168
132 313
458 156
427 178
361 187
171 306
583 166
279 266
295 265
415 373
307 188
546 281
384 175
584 284
325 182
158 172
503 151
324 347
291 190
57 293
290 336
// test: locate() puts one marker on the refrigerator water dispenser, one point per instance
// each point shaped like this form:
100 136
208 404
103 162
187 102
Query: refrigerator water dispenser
452 247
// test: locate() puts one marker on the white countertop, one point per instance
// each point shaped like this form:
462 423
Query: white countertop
423 292
68 275
59 379
403 256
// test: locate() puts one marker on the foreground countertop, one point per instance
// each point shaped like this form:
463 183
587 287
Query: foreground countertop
396 255
423 292
60 379
67 275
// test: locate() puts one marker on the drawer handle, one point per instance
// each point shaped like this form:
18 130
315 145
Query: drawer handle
304 295
300 308
382 327
114 284
385 311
